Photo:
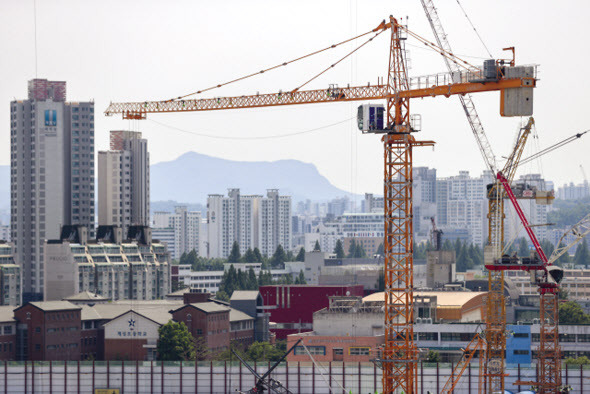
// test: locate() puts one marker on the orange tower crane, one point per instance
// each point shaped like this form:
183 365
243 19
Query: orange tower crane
399 359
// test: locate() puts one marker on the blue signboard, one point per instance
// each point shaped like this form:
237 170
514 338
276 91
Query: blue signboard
50 117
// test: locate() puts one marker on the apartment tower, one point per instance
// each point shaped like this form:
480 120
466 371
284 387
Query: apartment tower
123 182
52 173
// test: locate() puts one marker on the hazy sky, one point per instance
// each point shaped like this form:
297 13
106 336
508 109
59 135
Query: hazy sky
143 50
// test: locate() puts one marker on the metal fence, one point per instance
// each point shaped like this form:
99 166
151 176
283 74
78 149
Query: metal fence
225 377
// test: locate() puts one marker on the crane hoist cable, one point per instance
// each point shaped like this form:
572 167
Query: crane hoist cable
382 27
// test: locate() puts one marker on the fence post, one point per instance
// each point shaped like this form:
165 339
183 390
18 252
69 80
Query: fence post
581 379
298 376
241 375
224 376
359 376
33 376
93 377
313 378
211 375
122 376
108 374
180 378
197 376
137 377
469 377
78 377
6 377
421 377
374 377
287 374
343 378
50 377
566 374
151 377
437 378
162 377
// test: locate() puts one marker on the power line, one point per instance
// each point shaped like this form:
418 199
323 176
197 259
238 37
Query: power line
265 137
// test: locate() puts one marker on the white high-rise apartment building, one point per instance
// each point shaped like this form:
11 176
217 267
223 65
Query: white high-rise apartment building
462 204
52 174
123 181
180 230
253 221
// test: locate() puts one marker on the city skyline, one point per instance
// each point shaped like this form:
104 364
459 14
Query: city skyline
442 119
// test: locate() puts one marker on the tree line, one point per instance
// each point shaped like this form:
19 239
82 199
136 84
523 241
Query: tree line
175 343
233 280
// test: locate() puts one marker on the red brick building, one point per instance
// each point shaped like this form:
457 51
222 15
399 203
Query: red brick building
207 320
50 330
291 307
334 348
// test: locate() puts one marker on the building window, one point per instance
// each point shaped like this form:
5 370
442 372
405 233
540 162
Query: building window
313 350
521 352
359 351
338 351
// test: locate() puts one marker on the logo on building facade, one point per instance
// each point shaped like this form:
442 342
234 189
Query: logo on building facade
50 117
131 323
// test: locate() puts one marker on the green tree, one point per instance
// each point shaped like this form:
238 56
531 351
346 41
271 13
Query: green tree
380 285
564 258
359 251
249 256
339 250
316 247
258 255
433 357
175 342
571 312
300 280
252 282
523 248
351 249
582 257
264 278
300 255
264 351
547 247
234 256
380 250
222 296
278 258
582 360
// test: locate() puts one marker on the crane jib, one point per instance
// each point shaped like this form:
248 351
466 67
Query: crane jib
358 93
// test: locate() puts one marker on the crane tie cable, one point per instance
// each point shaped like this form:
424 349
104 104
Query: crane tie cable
341 59
382 27
452 57
474 29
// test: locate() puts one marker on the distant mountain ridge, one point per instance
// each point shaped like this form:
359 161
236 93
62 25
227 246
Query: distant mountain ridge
193 176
